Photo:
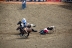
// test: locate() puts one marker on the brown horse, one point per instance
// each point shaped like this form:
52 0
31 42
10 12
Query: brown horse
25 31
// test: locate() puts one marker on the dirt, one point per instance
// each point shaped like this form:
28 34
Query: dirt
42 15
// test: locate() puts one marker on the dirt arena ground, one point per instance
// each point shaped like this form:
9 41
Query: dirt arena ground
42 15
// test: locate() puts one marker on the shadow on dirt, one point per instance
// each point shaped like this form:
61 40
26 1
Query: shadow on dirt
10 33
22 38
67 6
16 34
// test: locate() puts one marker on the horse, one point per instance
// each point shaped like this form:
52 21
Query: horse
19 23
26 30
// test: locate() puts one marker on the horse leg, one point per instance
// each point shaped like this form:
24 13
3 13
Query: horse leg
34 30
21 31
18 28
28 34
22 34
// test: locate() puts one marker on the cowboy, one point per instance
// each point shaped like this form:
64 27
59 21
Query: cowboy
23 4
24 22
46 30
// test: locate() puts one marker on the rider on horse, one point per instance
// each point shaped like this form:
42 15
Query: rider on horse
24 22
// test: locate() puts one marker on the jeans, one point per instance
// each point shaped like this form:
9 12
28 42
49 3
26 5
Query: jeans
23 6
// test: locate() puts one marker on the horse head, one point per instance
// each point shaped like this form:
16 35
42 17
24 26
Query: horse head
19 23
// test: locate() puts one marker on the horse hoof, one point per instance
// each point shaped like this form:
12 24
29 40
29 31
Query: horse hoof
19 33
34 26
34 31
